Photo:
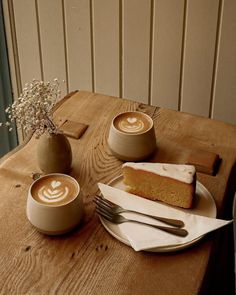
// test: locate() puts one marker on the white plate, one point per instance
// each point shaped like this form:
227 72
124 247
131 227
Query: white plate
204 205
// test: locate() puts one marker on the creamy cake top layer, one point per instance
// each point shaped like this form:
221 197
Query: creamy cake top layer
181 172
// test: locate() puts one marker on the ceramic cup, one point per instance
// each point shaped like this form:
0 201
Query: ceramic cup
132 136
55 204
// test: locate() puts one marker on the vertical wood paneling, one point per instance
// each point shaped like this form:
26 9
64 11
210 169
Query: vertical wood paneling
167 44
78 42
136 49
52 41
27 40
106 46
224 100
162 52
199 52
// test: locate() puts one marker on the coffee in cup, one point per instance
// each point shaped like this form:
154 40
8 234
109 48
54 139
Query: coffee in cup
55 204
132 123
54 190
132 136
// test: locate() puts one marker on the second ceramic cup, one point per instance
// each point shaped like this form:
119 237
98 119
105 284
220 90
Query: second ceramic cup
132 136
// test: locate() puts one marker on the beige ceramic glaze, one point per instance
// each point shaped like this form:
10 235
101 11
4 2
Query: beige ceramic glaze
132 147
54 153
55 219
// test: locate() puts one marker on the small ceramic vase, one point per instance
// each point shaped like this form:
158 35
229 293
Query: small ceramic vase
54 153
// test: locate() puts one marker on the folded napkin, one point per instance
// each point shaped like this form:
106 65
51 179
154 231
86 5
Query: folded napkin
73 129
204 161
70 128
142 237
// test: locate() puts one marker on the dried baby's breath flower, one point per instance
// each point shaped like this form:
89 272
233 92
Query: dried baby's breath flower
33 109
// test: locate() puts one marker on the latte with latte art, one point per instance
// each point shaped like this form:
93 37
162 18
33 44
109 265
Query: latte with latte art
54 190
132 136
132 122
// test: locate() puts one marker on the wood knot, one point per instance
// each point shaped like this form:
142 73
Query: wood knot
35 176
27 248
72 255
101 247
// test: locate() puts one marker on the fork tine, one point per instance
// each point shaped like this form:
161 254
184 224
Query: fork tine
105 211
104 201
105 214
101 200
102 205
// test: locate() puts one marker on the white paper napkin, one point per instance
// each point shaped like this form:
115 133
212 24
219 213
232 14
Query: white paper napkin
143 237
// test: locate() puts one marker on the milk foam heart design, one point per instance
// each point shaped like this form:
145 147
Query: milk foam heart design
55 189
55 184
132 120
54 192
47 195
58 192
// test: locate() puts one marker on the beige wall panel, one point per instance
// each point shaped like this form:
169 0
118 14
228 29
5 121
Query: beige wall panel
9 38
224 102
106 46
136 49
167 44
78 42
52 41
199 53
27 40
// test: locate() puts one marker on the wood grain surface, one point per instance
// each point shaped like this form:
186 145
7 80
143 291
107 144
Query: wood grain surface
89 260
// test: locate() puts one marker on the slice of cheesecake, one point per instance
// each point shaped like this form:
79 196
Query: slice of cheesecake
173 184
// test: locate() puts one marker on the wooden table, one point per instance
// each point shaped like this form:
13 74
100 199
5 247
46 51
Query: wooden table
89 260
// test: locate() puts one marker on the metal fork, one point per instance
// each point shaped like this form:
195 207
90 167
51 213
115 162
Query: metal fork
115 209
116 218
